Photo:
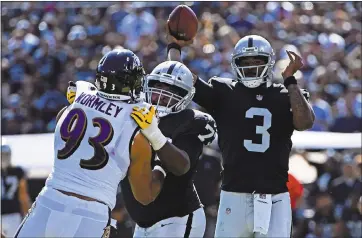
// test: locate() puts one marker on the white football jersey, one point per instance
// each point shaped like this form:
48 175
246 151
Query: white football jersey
92 143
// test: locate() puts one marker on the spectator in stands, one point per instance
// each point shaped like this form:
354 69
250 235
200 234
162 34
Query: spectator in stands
324 216
343 186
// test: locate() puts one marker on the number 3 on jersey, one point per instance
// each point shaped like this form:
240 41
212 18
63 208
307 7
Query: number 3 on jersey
72 132
262 130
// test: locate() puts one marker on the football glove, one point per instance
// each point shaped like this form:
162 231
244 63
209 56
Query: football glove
146 119
71 91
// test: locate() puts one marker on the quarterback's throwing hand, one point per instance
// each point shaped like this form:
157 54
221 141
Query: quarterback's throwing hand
294 64
172 39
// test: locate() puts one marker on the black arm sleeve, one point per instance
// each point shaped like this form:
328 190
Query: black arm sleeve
204 95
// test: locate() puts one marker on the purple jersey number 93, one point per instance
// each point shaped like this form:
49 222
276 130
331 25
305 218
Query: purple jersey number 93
72 131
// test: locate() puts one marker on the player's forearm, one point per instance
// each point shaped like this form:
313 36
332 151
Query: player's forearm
156 183
175 160
140 176
303 115
146 183
25 206
174 55
24 197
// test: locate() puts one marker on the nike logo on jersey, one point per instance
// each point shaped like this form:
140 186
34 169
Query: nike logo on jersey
97 103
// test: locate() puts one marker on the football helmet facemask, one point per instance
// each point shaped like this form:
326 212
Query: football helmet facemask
169 87
253 59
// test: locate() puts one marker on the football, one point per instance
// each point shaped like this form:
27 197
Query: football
183 23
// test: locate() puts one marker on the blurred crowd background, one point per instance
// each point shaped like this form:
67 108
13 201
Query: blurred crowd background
46 44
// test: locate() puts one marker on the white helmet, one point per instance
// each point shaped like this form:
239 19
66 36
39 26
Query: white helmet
253 46
179 78
5 156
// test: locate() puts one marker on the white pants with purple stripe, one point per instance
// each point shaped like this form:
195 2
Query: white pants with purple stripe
55 214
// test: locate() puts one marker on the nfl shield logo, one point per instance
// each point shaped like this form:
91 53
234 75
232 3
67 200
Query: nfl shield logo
259 97
262 196
228 210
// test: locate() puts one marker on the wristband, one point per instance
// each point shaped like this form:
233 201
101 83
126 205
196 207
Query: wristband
159 168
155 137
290 80
173 45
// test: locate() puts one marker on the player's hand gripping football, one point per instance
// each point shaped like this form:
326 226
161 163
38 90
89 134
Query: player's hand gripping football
172 39
294 64
146 119
71 91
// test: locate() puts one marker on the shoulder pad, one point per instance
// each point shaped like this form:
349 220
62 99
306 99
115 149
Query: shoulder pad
283 89
84 85
204 127
19 172
224 81
199 115
280 87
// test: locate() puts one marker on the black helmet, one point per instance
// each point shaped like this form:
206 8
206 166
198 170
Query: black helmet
119 75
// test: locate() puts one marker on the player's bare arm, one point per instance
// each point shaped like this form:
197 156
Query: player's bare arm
175 160
303 115
145 183
24 196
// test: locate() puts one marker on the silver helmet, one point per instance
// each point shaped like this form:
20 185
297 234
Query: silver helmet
179 81
5 156
253 75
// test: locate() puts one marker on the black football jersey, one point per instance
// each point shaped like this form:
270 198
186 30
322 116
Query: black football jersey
254 128
10 179
189 130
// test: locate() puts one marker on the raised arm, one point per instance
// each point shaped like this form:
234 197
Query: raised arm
303 115
204 95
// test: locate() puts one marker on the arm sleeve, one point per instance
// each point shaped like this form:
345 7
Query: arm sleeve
204 95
